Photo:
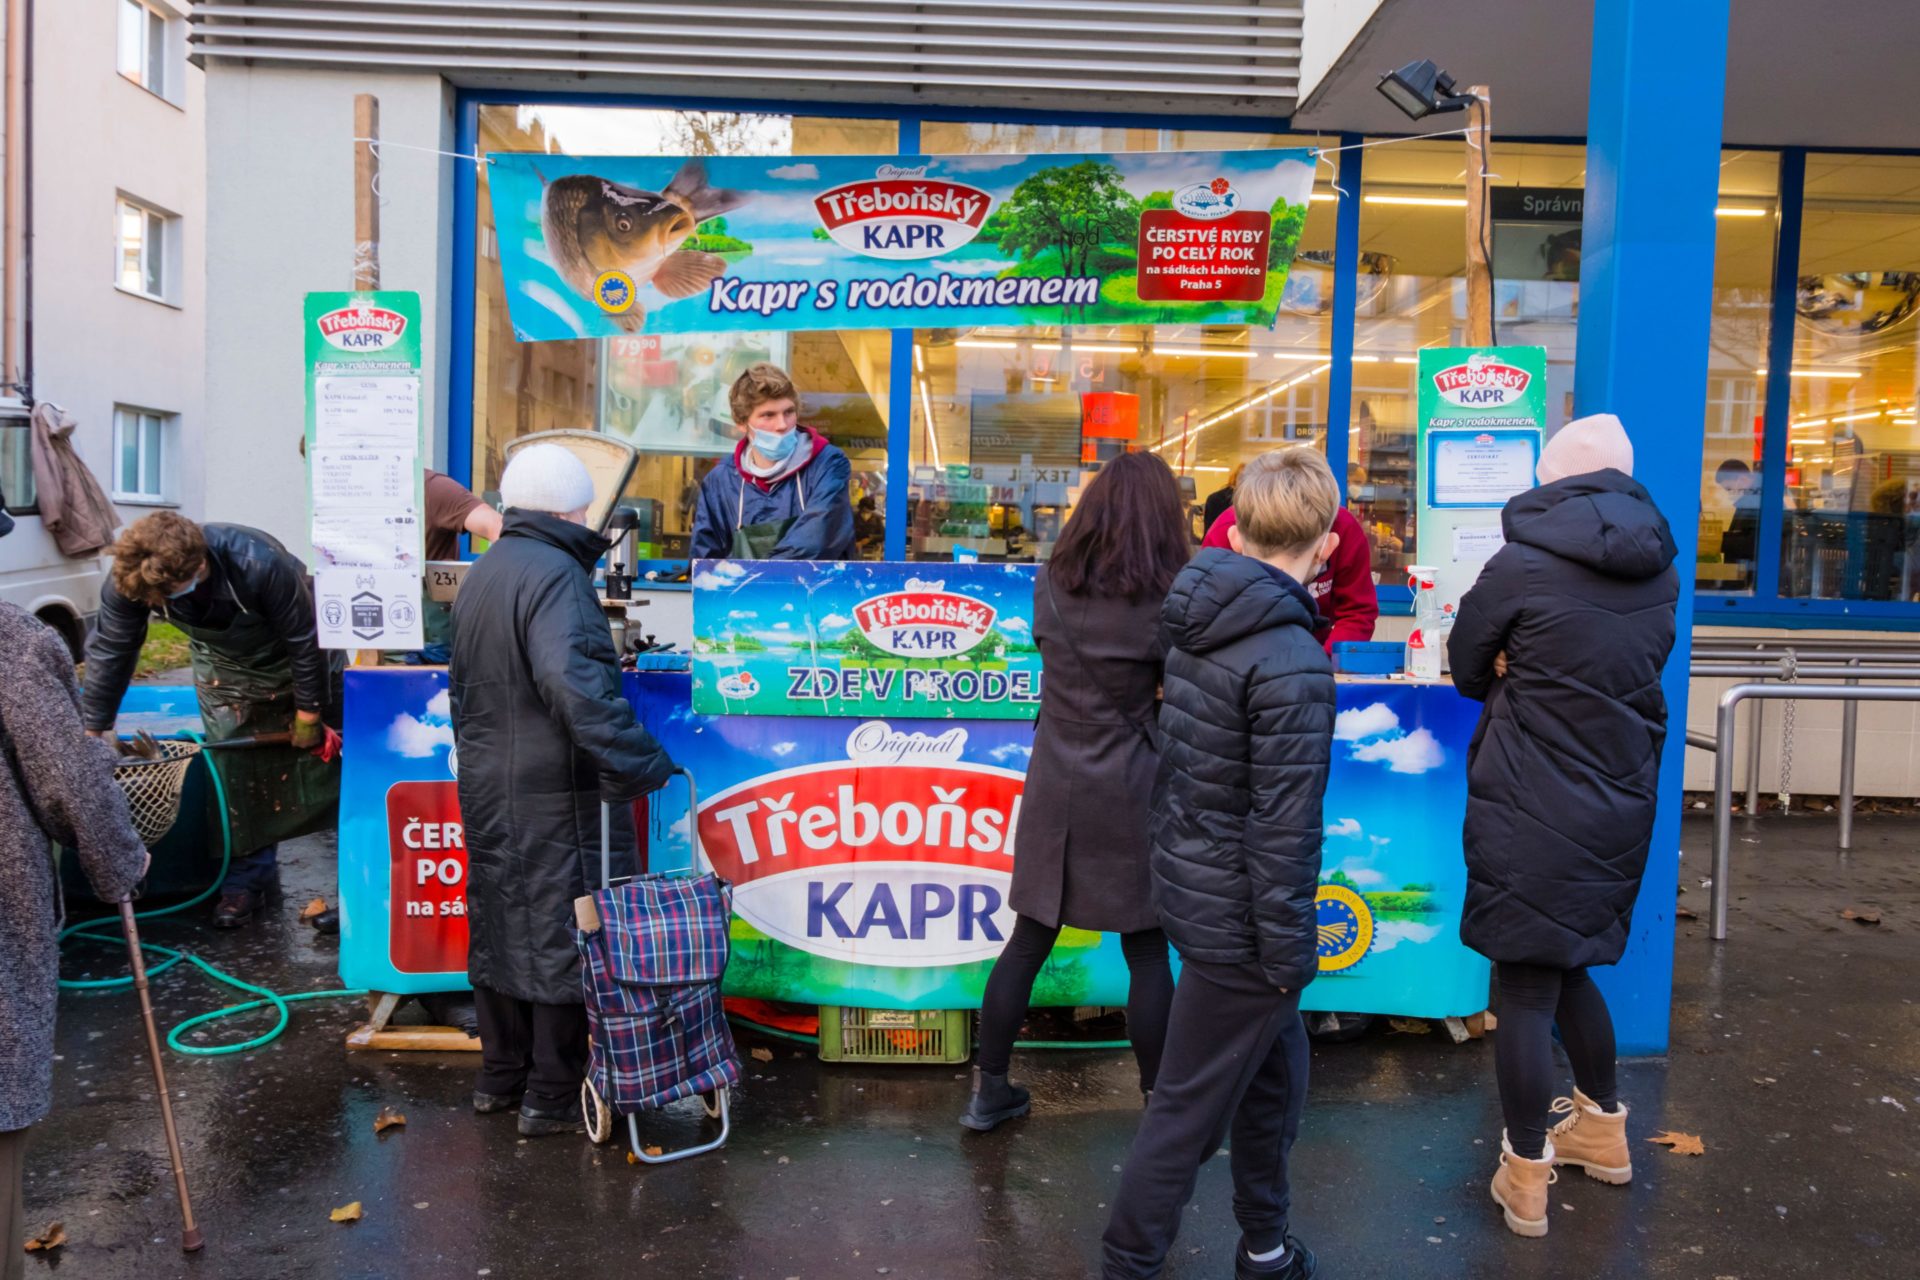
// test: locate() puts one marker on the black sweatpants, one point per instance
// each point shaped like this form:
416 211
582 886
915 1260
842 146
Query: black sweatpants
1533 1000
1003 1006
1235 1065
540 1049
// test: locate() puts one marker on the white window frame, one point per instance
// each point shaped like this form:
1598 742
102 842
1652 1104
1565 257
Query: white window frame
156 23
155 473
168 251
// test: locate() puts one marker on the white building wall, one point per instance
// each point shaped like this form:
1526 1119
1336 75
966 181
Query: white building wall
280 187
97 135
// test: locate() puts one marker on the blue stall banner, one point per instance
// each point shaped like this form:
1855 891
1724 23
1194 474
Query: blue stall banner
861 638
598 246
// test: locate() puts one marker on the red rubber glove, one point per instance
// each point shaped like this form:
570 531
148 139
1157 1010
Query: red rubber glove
330 745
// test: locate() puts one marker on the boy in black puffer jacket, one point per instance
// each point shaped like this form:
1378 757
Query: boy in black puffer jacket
1246 731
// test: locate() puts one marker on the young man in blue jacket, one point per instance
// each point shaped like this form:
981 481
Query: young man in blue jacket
1246 727
783 494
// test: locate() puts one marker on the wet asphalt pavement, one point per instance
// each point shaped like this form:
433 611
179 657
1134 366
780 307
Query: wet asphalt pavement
1796 1056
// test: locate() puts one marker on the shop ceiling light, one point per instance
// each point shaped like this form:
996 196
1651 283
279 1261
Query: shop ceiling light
1406 359
1739 211
1323 197
1421 89
1231 353
1424 202
1857 417
933 435
1816 373
987 344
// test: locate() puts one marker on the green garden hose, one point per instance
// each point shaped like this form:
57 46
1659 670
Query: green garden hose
90 931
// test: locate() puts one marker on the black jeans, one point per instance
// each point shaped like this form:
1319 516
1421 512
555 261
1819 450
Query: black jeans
1003 1006
1533 999
540 1049
1236 1064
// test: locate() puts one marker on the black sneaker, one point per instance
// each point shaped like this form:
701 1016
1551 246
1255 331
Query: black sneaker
486 1104
541 1124
1296 1264
236 907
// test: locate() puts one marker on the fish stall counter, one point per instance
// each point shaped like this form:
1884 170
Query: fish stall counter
858 734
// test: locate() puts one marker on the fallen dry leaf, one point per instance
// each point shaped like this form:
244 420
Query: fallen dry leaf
1409 1026
313 908
52 1238
1682 913
763 1055
632 1158
387 1119
1860 917
1765 1081
652 1151
346 1213
1681 1144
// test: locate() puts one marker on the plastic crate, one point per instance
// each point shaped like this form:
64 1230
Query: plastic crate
1369 657
906 1036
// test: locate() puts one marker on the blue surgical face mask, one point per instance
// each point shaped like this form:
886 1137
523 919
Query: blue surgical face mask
775 446
184 591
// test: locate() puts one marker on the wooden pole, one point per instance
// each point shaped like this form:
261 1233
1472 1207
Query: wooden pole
366 192
1479 220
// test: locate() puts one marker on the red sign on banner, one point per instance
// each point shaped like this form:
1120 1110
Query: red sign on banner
1110 415
427 847
1217 259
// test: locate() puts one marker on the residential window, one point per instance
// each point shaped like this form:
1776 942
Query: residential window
140 454
144 247
17 488
143 47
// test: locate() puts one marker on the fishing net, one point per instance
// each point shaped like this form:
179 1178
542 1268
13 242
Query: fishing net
153 787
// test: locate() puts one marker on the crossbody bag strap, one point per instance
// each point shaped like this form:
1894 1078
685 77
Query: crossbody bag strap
1093 674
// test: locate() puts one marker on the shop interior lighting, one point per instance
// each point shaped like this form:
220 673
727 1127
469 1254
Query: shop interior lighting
1406 359
1229 353
1856 417
1740 211
1366 359
1424 202
1298 355
987 344
926 406
1421 89
1323 197
919 359
1816 373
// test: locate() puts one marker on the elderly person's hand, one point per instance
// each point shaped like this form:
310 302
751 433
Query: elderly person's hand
1500 664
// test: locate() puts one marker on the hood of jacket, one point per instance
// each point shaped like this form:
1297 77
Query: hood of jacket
1604 520
1222 596
809 448
578 541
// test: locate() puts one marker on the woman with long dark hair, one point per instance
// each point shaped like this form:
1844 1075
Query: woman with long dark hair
1083 826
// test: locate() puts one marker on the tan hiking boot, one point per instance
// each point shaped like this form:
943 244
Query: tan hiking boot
1520 1188
1595 1140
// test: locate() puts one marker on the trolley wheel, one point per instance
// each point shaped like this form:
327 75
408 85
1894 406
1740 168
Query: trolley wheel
598 1115
710 1103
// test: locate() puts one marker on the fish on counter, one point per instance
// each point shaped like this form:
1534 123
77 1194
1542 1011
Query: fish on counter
595 225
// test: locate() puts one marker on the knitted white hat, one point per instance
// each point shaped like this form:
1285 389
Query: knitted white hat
1593 443
546 477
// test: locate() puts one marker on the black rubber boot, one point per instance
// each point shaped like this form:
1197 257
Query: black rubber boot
995 1100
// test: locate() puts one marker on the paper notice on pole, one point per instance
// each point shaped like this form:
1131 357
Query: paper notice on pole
1476 545
380 479
1482 468
349 538
366 412
368 608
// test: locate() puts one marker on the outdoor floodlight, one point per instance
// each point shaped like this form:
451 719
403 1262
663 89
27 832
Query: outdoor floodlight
1422 89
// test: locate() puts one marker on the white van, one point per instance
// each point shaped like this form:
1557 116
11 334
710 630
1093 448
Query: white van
63 593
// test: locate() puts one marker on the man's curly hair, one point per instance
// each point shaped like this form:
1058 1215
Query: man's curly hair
156 556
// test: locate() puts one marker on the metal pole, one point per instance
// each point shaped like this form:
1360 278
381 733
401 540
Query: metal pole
1755 723
1849 730
1723 803
606 846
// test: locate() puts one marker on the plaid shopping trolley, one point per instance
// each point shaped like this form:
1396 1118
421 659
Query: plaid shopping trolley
653 951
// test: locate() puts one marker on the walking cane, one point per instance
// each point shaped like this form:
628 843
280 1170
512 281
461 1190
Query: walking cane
190 1240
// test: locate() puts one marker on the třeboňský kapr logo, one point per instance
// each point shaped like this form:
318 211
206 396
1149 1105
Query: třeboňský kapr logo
1481 383
924 621
365 328
902 214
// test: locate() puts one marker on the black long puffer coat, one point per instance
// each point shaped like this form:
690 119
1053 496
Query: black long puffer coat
544 735
1564 766
1246 726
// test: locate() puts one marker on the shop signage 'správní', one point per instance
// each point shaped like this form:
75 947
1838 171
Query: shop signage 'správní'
600 246
864 639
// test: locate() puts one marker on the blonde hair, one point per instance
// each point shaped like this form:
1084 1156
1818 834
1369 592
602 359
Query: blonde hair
156 556
1286 501
760 383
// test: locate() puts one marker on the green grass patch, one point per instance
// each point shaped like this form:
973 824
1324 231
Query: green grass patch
165 650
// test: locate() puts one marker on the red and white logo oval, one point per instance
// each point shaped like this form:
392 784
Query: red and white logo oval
903 217
362 328
924 623
1481 384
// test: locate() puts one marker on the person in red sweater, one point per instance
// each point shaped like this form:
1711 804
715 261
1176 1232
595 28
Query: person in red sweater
1343 592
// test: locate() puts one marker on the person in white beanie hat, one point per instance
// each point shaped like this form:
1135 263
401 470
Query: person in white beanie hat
1596 442
549 749
549 478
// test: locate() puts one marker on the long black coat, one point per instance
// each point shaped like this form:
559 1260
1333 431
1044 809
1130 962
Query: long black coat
1083 824
1564 766
1246 729
543 736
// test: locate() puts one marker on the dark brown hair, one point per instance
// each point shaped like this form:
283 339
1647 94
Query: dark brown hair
1129 534
760 383
157 555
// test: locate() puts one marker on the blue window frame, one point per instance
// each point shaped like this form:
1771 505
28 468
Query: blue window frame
1764 607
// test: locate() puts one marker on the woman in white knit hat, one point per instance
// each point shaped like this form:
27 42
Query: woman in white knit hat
1564 638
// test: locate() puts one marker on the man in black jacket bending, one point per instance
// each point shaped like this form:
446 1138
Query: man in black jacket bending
545 739
1246 735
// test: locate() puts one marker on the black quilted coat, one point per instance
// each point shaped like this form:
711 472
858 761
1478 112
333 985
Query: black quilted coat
544 735
1565 763
1246 732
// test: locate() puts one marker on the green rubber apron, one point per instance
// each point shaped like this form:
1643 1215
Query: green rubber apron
757 541
243 677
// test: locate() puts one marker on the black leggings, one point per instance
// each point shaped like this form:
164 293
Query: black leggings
1004 1006
1533 1000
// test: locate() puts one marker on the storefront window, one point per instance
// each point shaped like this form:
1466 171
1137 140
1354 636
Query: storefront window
667 393
1853 445
1002 438
1411 293
1730 487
